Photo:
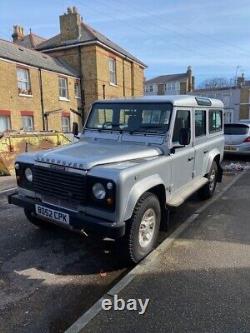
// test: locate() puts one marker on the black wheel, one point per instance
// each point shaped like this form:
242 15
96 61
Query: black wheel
207 191
143 228
32 217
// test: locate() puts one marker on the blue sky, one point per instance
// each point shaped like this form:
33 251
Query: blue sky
168 35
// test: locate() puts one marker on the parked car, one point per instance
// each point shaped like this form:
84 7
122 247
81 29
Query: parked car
135 159
237 138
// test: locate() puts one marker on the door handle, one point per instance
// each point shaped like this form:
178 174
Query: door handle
190 159
205 151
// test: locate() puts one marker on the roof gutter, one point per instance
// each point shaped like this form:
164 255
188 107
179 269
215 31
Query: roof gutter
94 42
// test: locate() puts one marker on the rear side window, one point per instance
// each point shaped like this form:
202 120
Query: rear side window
200 123
182 120
236 129
215 121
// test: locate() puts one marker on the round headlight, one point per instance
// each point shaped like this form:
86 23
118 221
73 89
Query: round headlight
99 191
28 174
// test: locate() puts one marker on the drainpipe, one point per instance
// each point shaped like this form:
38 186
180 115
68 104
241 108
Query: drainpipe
103 91
123 80
42 102
81 86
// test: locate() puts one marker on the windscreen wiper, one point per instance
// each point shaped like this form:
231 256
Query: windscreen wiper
148 130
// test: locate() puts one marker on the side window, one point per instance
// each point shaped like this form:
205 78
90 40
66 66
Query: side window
112 71
28 123
65 124
182 120
4 123
200 123
215 121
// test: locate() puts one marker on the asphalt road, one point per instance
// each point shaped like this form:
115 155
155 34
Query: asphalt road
49 278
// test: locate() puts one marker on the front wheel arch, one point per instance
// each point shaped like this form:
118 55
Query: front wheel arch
132 249
153 183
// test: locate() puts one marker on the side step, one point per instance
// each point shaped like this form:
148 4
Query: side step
178 198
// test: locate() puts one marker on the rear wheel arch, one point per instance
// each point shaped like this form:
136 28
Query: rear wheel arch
220 170
215 157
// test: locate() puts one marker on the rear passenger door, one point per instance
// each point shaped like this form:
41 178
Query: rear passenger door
183 158
200 142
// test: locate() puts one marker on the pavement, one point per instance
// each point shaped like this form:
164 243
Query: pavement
198 282
7 183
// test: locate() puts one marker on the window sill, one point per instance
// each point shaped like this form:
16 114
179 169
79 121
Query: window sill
76 97
64 99
25 95
113 84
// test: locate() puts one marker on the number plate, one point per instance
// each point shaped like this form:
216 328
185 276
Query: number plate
52 214
230 148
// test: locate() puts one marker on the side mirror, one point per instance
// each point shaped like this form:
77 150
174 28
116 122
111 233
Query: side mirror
75 129
184 136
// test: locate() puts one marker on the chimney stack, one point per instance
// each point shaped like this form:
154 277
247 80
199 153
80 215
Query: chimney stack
18 33
190 79
70 24
241 80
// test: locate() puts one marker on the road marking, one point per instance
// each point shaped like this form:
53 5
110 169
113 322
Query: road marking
82 322
8 190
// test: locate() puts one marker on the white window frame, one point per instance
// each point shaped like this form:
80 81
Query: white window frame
63 88
77 89
66 127
7 123
112 71
23 81
25 125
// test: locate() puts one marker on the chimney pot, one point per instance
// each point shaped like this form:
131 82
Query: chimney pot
18 33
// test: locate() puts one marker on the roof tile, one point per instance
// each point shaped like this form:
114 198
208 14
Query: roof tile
34 58
88 34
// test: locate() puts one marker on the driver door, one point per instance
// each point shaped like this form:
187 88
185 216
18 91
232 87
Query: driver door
182 158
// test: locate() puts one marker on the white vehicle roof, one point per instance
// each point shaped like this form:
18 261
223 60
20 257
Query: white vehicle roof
176 100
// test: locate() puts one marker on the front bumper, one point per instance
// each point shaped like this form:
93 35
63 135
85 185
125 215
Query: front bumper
78 220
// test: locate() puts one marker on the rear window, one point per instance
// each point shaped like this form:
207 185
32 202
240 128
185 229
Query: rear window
215 121
236 129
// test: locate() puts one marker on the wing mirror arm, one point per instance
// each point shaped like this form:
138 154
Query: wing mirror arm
172 150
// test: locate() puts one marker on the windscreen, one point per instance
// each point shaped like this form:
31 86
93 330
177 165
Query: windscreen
236 129
131 117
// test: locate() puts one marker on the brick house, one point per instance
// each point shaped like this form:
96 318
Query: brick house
171 84
38 91
62 76
106 70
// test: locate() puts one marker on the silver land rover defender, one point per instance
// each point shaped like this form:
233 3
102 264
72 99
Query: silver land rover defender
135 159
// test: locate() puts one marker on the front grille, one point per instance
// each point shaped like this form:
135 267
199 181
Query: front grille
59 184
